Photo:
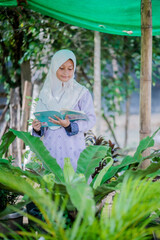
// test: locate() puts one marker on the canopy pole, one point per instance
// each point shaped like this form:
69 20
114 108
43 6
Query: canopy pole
146 72
97 81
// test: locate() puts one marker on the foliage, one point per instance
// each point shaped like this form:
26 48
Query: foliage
130 216
74 184
53 191
7 197
30 36
79 191
111 153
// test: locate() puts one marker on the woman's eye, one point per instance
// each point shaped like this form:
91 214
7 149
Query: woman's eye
61 68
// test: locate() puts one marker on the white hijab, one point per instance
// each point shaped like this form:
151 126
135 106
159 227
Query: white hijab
53 95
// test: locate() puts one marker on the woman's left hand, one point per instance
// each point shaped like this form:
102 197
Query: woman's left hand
63 122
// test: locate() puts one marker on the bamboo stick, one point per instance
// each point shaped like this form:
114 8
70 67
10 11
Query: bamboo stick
25 106
97 81
146 72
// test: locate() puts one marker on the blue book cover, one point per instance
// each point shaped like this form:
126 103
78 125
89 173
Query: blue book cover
43 117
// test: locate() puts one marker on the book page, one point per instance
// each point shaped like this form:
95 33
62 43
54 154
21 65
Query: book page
74 115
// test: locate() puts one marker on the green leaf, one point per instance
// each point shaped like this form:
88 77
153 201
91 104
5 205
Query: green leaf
37 146
82 198
6 167
103 190
89 159
34 166
38 195
101 174
154 174
50 180
29 97
128 160
7 139
68 170
152 170
144 144
4 161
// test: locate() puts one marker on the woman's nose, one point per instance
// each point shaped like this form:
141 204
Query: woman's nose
66 71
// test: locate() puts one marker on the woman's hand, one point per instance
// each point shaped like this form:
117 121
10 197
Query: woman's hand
61 122
36 125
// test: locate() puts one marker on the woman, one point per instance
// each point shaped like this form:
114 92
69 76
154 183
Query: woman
61 91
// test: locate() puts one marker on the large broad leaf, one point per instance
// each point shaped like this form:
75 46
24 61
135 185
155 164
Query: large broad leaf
36 168
39 196
68 170
7 139
6 168
103 190
114 169
151 171
144 144
154 174
81 196
101 174
89 159
128 160
37 146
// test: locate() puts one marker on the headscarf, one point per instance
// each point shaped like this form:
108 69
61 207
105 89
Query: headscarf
53 95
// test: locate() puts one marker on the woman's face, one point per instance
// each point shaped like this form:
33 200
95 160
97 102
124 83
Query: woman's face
65 71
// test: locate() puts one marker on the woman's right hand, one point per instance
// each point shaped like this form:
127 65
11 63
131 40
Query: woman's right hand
36 124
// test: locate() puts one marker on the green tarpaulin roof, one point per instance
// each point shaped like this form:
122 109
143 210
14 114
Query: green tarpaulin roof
121 17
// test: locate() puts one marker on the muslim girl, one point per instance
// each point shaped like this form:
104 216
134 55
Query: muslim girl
62 91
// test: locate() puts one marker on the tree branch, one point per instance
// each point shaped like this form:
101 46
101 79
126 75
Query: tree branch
110 128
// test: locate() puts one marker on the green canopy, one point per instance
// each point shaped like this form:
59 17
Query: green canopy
121 17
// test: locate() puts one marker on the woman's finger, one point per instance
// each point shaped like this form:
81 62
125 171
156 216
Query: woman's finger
59 119
54 121
35 121
67 117
36 124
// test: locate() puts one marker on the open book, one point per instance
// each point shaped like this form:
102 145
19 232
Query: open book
43 117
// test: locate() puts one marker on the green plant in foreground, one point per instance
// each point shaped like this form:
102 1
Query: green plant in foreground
89 159
132 211
53 181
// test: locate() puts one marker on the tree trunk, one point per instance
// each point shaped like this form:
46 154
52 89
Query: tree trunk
146 72
26 106
27 92
127 120
15 148
36 90
97 81
128 97
25 74
115 73
35 94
